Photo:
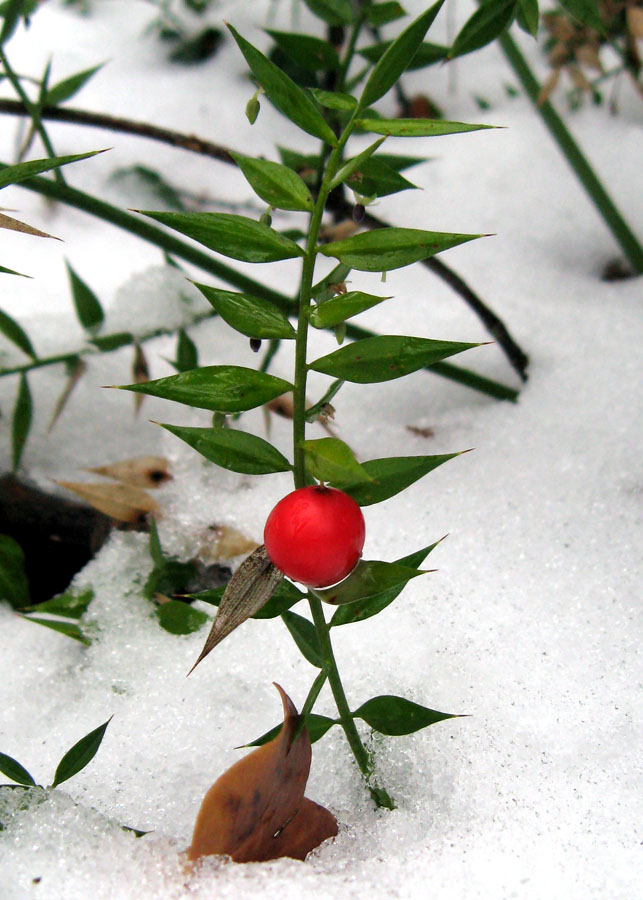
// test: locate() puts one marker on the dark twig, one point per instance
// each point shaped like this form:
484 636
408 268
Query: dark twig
126 126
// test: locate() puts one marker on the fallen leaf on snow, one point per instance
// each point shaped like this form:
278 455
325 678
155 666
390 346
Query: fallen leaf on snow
257 810
141 471
120 501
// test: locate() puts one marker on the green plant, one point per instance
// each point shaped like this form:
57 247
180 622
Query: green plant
332 116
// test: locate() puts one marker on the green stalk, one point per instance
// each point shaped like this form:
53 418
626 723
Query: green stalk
575 157
362 757
33 111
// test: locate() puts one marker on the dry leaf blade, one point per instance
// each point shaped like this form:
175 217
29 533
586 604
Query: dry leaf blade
119 501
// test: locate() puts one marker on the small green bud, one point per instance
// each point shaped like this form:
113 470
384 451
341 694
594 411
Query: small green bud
266 218
340 332
252 108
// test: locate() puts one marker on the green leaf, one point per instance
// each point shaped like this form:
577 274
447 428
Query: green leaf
69 604
5 271
284 93
180 618
252 316
21 171
88 309
66 89
378 179
12 10
395 715
397 57
382 13
352 165
364 609
21 422
334 99
484 26
345 306
233 449
79 755
148 183
528 16
584 11
304 635
156 550
322 291
329 459
169 576
276 184
11 330
369 578
316 725
391 475
235 236
198 48
69 629
416 127
426 55
14 586
13 770
187 356
333 12
392 248
398 162
285 596
112 341
218 388
308 52
385 357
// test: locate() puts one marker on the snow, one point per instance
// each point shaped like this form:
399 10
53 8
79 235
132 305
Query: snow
532 624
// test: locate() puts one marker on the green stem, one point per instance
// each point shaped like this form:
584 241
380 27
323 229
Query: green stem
575 157
33 111
361 754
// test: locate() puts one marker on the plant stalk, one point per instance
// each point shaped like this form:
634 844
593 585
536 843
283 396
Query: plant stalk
575 157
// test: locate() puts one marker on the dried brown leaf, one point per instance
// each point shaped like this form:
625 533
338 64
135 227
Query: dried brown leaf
421 432
250 588
76 371
226 543
635 21
547 87
257 810
141 471
140 374
15 225
587 55
339 232
119 501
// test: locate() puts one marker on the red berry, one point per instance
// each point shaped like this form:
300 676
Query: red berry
315 535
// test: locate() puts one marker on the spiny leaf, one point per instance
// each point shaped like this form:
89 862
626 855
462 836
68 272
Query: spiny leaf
235 236
333 12
305 636
396 716
88 309
76 368
329 459
13 770
586 12
366 608
285 596
233 449
385 357
334 99
257 809
248 590
252 316
80 754
5 271
69 629
307 51
284 93
397 57
70 604
180 618
67 88
21 171
417 127
368 579
316 725
354 164
426 55
484 26
276 184
391 475
392 248
11 330
345 306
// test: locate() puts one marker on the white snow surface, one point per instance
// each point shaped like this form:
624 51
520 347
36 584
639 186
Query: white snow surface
532 624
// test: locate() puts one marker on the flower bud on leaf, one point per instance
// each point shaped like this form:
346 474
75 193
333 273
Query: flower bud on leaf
252 109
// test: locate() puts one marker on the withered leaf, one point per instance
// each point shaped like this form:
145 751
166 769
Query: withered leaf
123 502
635 21
257 810
141 471
226 543
140 374
250 588
75 372
15 225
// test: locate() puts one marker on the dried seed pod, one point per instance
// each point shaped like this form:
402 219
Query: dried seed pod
255 345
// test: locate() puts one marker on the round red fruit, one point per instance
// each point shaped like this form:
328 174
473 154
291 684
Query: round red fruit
315 535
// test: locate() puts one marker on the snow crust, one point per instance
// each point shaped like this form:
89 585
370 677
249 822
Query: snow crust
532 624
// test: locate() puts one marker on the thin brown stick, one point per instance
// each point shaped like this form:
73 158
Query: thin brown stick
126 126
